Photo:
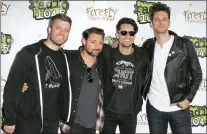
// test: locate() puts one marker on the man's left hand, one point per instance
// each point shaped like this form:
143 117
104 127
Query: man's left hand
183 104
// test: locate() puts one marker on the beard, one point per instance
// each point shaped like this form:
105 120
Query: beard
161 31
56 42
91 52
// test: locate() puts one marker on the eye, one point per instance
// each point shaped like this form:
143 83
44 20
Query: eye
67 30
57 27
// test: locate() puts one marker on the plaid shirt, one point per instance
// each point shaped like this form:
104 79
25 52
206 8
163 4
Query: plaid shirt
100 113
99 116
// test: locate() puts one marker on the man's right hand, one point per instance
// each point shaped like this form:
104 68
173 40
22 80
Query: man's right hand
9 129
115 44
24 88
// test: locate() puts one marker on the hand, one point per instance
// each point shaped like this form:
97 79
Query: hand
183 104
25 87
9 129
115 44
64 128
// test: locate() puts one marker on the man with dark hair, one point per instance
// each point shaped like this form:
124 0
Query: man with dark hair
86 84
175 75
126 68
43 66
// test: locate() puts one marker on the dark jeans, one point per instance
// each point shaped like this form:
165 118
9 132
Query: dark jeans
78 129
180 121
127 124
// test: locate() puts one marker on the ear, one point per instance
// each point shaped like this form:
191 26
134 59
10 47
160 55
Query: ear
150 24
49 30
117 35
169 24
83 41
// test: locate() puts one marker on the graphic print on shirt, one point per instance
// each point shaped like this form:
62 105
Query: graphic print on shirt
53 77
123 74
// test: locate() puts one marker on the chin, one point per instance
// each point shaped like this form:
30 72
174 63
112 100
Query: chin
95 54
60 43
127 45
161 32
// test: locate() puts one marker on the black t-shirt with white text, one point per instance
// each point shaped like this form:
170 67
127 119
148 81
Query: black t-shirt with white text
122 79
52 72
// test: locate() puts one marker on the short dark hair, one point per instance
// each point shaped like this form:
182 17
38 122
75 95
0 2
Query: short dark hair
60 16
159 7
126 20
91 30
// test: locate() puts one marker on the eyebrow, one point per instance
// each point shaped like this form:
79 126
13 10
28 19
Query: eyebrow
162 18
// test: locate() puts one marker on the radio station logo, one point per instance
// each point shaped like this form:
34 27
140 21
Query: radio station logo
4 8
198 115
103 14
194 16
142 9
109 40
6 43
200 45
47 9
142 119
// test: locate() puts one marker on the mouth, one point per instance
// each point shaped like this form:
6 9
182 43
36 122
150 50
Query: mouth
127 41
60 37
96 51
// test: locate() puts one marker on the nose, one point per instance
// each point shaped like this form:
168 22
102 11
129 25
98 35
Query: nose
62 32
98 46
127 35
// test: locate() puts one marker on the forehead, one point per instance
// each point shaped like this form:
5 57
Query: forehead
94 36
126 27
58 22
160 14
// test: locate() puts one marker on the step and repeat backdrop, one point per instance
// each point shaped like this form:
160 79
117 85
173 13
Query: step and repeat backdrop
25 22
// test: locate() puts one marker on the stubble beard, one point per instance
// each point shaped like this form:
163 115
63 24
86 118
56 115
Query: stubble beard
55 43
91 53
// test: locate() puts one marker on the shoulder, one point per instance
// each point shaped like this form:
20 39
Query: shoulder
32 48
148 42
141 51
72 54
184 41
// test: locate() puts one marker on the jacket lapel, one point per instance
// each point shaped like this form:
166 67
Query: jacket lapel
174 51
150 49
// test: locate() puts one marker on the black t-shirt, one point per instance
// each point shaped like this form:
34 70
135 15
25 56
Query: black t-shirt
122 79
53 72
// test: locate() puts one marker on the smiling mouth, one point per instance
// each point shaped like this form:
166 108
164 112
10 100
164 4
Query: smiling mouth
127 40
59 37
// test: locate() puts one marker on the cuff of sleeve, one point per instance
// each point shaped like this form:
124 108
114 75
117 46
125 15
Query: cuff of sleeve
190 99
9 122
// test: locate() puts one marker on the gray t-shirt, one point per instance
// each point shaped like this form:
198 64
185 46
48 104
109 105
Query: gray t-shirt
88 99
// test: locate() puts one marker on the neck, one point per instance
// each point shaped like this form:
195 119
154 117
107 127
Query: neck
88 59
126 50
51 45
161 39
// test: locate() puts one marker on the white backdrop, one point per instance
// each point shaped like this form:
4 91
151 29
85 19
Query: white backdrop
23 24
